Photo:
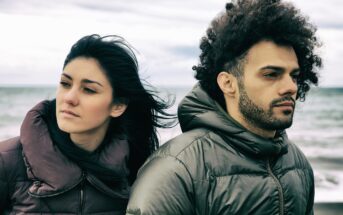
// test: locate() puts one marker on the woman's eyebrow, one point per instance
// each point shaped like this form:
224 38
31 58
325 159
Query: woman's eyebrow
67 76
87 81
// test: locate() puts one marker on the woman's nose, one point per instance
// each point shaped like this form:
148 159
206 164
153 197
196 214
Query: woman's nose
71 96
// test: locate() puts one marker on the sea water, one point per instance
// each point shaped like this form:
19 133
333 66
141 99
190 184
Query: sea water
317 129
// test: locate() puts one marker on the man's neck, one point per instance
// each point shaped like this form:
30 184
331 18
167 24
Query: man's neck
238 118
256 130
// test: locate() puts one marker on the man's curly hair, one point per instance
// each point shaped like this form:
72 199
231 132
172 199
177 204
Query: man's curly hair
245 23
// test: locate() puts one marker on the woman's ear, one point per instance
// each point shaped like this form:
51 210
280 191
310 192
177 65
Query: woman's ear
227 83
118 109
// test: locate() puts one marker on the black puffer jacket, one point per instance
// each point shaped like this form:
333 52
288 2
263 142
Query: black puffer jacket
218 167
36 178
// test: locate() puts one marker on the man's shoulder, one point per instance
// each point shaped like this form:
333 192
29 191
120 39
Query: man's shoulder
183 142
297 156
293 148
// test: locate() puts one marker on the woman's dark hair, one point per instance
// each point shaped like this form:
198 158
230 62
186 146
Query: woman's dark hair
145 111
247 22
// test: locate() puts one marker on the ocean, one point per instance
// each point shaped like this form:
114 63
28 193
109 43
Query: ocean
317 129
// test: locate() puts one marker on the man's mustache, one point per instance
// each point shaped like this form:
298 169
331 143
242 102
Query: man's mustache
276 102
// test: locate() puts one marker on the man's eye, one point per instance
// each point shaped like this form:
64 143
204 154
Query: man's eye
295 76
271 75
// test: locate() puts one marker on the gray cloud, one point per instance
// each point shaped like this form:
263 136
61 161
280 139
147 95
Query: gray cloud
185 51
37 34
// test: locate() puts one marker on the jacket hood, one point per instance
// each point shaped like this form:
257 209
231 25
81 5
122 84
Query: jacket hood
198 110
51 171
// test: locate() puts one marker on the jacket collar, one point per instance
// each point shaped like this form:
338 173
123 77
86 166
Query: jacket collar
52 172
198 110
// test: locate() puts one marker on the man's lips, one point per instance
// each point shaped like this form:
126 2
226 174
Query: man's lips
288 103
68 112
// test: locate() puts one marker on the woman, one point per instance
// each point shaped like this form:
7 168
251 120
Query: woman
80 152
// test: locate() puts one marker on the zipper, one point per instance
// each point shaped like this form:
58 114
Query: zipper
82 192
278 185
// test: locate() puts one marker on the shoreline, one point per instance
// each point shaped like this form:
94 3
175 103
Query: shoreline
328 208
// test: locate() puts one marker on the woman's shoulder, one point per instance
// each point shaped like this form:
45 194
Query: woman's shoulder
10 155
11 145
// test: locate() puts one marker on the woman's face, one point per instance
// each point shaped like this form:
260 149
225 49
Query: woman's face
84 98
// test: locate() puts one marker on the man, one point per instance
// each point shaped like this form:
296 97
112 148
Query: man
234 156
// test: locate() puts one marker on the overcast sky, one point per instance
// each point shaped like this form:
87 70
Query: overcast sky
36 35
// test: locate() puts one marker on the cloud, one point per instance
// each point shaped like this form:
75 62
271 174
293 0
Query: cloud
332 51
37 35
325 14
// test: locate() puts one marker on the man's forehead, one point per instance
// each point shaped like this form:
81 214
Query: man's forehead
268 53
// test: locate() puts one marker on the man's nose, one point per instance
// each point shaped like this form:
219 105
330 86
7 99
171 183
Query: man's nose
289 86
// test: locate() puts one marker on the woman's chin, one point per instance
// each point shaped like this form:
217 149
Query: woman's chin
65 126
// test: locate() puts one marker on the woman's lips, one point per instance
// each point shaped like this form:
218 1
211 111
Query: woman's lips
69 113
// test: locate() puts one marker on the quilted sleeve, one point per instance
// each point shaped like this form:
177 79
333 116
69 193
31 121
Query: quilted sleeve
163 186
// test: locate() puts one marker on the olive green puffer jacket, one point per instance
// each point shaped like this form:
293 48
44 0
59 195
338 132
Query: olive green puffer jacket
218 167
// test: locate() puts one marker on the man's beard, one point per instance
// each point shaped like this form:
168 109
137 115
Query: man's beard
264 119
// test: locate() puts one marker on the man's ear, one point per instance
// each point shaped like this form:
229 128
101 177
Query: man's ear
118 109
227 83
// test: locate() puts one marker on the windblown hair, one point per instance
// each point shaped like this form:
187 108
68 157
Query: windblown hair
145 111
247 22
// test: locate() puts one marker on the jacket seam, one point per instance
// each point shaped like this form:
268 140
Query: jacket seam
182 163
162 155
6 175
191 143
6 178
232 174
10 150
5 170
15 141
177 159
166 155
178 154
16 150
294 169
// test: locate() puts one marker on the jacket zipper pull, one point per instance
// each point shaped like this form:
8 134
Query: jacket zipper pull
82 192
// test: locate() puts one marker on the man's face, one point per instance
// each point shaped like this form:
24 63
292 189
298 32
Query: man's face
268 88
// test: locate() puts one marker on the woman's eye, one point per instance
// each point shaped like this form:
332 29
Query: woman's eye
64 84
88 90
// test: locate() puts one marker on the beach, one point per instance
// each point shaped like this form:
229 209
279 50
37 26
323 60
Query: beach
317 130
332 208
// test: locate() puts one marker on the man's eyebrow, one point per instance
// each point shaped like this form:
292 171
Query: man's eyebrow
275 68
278 68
